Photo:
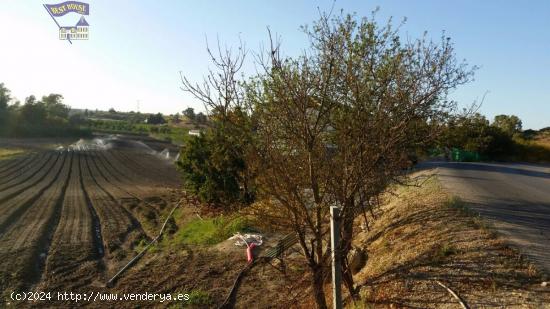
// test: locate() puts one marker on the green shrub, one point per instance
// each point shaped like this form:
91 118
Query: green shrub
213 168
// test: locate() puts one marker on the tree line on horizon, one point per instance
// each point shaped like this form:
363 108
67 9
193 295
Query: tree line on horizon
503 139
45 117
50 117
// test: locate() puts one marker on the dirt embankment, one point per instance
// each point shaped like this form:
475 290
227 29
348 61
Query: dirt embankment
422 236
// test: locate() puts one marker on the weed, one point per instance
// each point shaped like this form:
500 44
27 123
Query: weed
444 251
457 203
477 221
532 271
360 304
197 298
485 226
366 293
385 243
142 243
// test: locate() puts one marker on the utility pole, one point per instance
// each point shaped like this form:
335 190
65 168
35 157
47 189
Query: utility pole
335 254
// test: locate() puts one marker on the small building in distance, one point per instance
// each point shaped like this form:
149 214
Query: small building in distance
195 132
78 32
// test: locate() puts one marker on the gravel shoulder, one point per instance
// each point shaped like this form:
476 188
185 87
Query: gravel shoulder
514 198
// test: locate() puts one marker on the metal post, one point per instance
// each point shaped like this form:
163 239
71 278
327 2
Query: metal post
336 266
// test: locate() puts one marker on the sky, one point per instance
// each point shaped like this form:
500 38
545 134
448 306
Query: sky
136 49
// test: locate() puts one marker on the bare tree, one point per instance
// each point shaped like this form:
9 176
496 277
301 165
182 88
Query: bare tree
222 93
333 126
221 88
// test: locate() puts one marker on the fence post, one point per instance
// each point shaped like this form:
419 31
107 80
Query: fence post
336 266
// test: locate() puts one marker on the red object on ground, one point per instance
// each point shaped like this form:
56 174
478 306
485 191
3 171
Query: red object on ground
249 253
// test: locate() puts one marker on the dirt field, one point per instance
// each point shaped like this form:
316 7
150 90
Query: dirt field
73 213
71 217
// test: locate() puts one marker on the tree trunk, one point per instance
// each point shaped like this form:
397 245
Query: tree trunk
318 287
347 277
345 247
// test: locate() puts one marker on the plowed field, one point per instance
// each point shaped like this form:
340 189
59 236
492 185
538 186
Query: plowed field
70 218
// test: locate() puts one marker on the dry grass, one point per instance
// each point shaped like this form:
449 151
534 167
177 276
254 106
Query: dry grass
6 153
535 151
424 235
545 142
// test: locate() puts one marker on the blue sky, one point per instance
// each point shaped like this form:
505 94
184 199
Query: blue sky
137 48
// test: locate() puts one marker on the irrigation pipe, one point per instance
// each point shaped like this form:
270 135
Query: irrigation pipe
230 299
288 240
140 254
464 306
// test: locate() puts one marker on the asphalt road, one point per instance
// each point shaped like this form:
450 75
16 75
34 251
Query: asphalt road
514 197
